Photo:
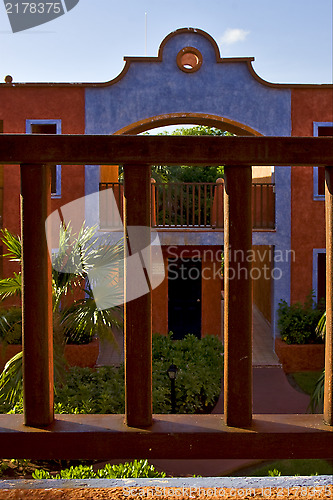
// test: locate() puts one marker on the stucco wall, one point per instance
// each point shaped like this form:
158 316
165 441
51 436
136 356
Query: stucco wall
262 283
308 216
226 89
21 103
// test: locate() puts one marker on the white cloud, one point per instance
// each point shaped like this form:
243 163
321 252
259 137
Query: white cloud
233 35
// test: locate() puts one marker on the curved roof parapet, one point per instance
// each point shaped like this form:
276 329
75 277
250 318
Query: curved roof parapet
191 51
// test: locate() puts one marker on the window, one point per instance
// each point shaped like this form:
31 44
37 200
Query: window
321 129
48 127
319 274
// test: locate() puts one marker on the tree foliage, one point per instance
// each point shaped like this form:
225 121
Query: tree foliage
186 173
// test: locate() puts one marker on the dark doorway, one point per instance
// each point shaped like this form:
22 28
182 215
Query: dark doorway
184 292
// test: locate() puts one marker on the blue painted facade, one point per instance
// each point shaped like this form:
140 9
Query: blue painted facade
225 89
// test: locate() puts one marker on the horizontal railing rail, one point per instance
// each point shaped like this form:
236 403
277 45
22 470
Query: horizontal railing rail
176 205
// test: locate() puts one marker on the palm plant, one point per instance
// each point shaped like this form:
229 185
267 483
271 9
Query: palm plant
321 327
317 397
79 257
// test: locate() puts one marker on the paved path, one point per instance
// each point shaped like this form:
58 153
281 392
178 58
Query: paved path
272 393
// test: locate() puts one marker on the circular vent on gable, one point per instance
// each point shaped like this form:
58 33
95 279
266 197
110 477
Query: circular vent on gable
189 59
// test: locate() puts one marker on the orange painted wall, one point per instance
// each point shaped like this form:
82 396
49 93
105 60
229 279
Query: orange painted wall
160 304
39 102
211 297
308 220
262 287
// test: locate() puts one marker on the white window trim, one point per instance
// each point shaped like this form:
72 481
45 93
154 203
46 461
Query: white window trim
316 126
28 124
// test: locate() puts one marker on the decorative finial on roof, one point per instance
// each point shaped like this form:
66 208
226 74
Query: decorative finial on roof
8 79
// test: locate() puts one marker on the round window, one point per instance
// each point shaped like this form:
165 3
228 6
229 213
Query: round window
189 59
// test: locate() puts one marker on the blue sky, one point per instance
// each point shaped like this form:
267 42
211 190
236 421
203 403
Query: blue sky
291 40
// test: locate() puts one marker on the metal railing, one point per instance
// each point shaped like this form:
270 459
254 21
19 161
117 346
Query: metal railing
189 205
263 205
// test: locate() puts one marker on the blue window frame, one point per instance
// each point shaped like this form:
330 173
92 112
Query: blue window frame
48 127
318 172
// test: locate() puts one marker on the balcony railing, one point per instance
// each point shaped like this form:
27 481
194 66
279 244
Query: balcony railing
238 434
194 205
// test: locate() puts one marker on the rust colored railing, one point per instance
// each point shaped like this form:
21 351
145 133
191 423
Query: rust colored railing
263 205
137 434
190 205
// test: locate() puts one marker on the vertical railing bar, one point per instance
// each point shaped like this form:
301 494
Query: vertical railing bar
328 384
254 206
187 205
163 202
181 205
205 204
199 205
108 208
193 205
169 204
174 204
157 204
137 311
211 203
37 338
116 187
219 203
274 206
261 206
237 283
267 206
121 199
152 198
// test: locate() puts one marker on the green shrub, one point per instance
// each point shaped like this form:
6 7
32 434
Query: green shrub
274 473
298 322
198 383
138 468
200 369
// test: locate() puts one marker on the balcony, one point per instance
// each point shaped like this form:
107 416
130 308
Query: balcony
192 205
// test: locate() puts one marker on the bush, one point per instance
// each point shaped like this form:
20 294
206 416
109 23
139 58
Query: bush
200 370
138 468
11 325
298 322
198 384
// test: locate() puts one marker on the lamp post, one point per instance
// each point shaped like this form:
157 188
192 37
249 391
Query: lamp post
172 374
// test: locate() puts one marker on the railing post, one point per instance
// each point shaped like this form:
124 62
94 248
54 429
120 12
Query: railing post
36 296
153 203
219 202
237 296
138 312
328 389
